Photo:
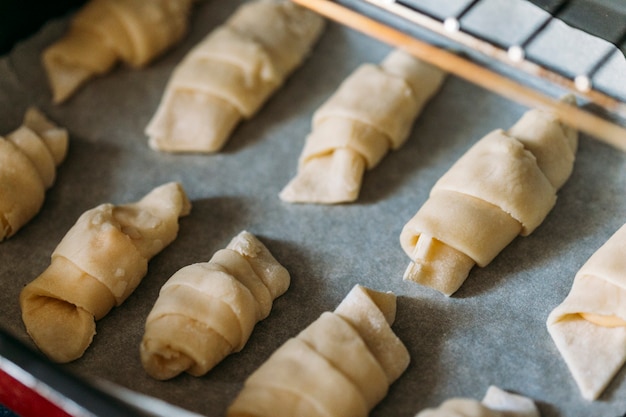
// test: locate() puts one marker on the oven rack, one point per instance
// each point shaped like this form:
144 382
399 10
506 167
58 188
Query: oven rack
508 46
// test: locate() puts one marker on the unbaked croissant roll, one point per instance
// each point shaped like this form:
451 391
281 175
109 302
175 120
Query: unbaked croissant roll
104 32
371 112
504 186
496 403
208 310
340 366
29 157
589 327
95 267
231 73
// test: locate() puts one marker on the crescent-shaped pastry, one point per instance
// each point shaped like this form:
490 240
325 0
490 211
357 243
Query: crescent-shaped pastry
231 73
496 403
206 311
29 157
339 366
104 32
504 186
589 326
371 112
95 267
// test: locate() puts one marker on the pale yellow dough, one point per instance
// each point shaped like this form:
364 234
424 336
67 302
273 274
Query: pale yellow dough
208 310
104 32
339 366
589 326
96 266
503 186
371 112
29 157
231 73
496 403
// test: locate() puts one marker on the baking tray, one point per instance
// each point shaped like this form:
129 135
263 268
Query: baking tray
492 331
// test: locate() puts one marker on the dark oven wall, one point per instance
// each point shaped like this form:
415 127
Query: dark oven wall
21 18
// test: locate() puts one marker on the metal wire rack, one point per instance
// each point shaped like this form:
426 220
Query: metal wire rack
509 46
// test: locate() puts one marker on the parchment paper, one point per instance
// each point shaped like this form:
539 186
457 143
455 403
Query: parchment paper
492 331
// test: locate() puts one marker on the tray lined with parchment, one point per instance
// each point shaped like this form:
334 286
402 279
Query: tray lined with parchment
491 332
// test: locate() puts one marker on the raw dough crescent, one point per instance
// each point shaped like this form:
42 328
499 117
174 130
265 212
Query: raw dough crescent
29 157
104 32
352 132
496 403
589 326
504 186
231 73
339 366
206 311
95 267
